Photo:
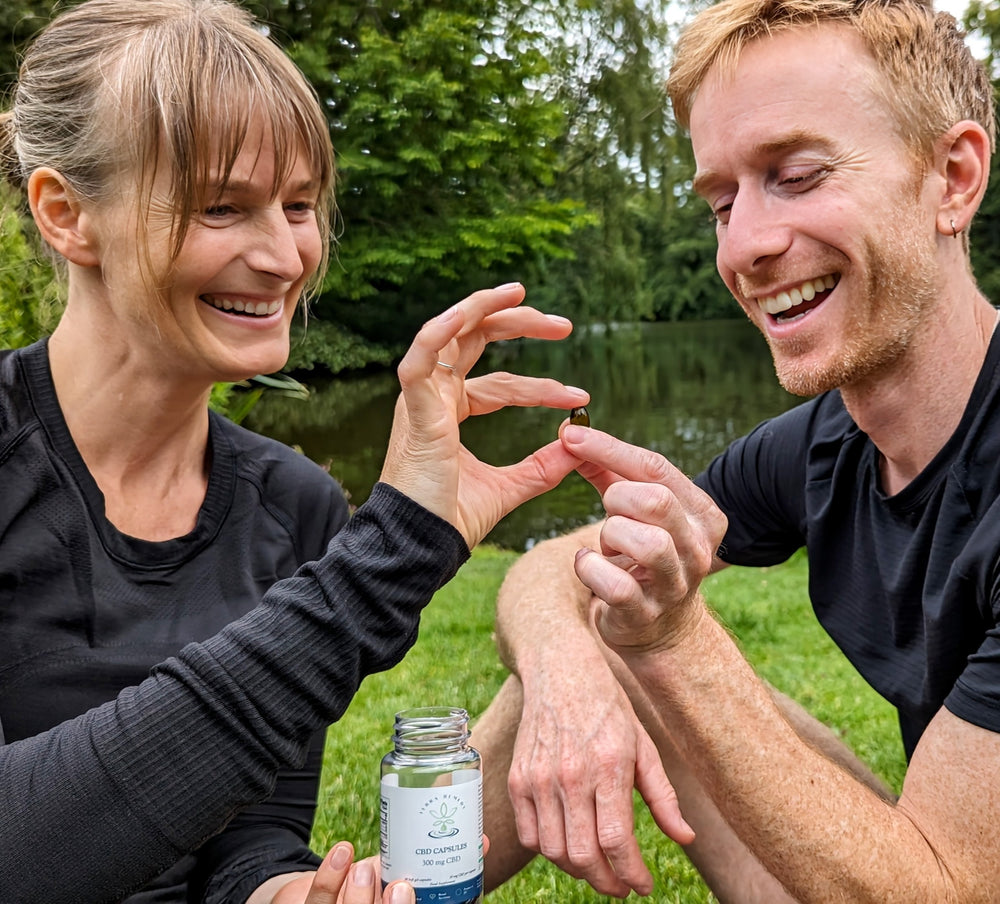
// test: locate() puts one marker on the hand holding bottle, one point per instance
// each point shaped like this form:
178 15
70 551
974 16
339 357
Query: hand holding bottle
339 880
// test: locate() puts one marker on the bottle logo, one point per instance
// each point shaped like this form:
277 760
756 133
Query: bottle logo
443 822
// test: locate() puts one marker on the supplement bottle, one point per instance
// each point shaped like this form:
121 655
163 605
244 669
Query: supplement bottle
432 807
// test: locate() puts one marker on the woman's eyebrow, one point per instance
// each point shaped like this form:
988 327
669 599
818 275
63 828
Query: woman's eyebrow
244 186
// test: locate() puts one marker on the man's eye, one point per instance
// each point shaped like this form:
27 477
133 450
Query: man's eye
801 179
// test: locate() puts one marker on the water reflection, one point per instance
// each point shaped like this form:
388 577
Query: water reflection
685 390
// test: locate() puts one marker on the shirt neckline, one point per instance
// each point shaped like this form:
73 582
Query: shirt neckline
138 553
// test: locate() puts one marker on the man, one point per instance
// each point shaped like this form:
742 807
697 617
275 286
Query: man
844 148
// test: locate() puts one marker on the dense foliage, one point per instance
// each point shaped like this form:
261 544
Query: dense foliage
480 141
30 293
983 18
444 151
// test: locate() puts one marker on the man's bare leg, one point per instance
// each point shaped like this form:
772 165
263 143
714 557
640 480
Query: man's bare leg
493 735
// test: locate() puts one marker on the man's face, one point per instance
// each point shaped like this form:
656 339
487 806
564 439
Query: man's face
826 233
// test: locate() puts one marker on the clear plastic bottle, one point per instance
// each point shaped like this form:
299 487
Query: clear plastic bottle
432 807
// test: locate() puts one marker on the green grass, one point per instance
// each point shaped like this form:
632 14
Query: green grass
454 662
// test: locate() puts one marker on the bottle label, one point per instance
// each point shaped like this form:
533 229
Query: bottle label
433 837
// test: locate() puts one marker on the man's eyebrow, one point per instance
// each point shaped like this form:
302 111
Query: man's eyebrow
792 141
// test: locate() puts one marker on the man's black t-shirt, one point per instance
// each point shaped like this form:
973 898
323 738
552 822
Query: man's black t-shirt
906 585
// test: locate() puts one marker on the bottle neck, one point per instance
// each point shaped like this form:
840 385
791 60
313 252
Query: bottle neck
431 731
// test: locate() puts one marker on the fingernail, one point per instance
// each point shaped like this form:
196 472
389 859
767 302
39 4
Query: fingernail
555 318
447 315
573 433
401 894
506 285
364 875
340 856
577 389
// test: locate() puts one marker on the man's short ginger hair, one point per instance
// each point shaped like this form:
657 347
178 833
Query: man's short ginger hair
930 79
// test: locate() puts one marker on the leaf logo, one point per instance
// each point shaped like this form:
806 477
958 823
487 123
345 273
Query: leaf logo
443 821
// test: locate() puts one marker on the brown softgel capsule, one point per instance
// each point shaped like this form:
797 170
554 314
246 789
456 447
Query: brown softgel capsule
580 417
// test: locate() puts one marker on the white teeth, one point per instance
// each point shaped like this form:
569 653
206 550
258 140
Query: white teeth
775 304
256 308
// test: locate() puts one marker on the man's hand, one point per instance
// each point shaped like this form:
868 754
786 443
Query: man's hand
575 765
657 544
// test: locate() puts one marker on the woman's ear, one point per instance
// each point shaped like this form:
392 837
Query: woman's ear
61 219
965 159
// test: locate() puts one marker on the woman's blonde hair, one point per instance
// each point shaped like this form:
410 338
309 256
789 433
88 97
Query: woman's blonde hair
112 90
930 78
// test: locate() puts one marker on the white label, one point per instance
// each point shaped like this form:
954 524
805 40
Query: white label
433 837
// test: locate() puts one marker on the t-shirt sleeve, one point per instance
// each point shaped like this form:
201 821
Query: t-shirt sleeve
758 482
975 696
123 790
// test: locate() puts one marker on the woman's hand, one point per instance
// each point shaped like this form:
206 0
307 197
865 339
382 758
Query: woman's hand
338 881
426 459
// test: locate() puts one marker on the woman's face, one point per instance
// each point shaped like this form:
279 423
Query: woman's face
224 306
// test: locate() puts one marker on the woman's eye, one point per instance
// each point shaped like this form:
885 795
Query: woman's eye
300 207
218 210
720 214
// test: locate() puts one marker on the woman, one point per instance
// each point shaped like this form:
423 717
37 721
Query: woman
180 167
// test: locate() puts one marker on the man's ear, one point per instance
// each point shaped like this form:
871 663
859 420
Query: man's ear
965 162
61 219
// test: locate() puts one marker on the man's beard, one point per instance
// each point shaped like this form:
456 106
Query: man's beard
900 292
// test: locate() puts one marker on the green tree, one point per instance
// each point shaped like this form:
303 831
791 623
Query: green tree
446 150
983 19
19 20
484 140
649 247
31 297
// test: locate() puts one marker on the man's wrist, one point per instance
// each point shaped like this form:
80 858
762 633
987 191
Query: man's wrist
684 627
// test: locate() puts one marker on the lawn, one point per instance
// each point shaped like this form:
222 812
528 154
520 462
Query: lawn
454 663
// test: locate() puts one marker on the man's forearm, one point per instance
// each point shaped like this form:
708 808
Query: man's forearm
825 835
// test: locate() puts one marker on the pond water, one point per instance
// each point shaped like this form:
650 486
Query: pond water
683 389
